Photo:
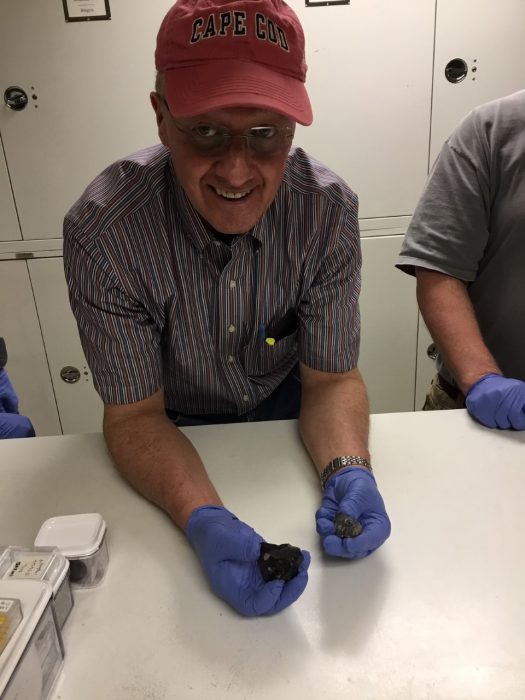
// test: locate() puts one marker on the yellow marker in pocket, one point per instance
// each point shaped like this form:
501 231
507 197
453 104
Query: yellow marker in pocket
269 341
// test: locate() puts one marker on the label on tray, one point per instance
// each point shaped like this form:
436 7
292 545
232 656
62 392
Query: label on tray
28 566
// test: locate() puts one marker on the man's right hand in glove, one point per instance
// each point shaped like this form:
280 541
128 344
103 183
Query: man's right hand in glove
229 551
497 402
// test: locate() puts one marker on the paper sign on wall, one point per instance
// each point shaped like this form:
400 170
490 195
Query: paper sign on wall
85 10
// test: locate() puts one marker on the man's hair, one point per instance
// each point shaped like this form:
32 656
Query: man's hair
159 83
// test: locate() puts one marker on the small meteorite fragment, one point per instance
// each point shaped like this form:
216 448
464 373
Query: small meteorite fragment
346 526
279 561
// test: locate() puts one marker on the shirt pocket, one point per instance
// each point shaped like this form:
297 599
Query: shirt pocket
260 358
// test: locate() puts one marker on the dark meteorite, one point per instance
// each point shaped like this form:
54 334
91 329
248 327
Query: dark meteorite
279 561
346 526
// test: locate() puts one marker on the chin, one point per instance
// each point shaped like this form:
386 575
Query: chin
233 227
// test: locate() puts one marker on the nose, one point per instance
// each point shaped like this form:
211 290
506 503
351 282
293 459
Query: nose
235 166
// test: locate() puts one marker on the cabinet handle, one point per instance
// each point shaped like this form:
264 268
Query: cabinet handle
432 351
16 98
456 70
69 374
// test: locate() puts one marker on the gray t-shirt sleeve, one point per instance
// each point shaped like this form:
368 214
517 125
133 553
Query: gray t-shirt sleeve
449 230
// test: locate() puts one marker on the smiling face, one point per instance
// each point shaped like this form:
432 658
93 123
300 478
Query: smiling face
232 190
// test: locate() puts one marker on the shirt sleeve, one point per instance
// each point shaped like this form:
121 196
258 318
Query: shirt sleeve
120 341
449 230
329 328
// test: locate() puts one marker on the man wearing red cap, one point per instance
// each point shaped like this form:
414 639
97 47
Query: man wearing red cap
215 278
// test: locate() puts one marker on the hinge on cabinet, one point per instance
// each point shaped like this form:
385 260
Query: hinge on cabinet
24 256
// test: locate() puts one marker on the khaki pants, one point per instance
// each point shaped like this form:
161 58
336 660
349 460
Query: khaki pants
442 396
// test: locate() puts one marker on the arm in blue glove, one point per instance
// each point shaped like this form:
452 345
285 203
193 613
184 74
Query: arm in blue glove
497 402
229 550
352 491
12 424
8 397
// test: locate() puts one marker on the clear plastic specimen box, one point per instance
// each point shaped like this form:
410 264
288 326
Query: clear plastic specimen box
41 564
31 661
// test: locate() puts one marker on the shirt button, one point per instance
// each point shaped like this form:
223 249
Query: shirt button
233 284
245 397
231 328
231 358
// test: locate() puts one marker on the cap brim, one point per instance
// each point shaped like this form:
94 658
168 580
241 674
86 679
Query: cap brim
194 90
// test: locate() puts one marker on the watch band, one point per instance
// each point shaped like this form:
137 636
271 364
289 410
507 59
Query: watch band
345 461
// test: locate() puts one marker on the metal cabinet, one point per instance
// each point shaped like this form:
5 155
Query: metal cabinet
44 348
87 86
370 83
27 361
479 43
9 228
388 325
78 403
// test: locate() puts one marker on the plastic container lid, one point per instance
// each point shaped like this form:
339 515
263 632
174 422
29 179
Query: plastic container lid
75 535
34 597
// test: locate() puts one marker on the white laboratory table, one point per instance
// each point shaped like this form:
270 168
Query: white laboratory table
438 612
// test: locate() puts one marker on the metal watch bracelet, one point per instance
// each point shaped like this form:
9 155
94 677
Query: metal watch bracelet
345 461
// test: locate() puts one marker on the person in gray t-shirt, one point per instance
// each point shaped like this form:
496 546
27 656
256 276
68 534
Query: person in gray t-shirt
466 247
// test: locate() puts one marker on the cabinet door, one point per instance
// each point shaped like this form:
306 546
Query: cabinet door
488 37
9 229
78 403
27 363
388 326
88 87
370 81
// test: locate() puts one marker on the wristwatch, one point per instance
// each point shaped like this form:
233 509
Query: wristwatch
344 461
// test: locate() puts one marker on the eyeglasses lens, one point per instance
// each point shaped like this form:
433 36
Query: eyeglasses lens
221 142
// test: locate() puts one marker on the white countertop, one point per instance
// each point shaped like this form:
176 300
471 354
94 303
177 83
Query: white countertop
438 612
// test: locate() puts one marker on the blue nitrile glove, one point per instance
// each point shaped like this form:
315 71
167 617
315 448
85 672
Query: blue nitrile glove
8 397
13 425
497 402
228 550
353 491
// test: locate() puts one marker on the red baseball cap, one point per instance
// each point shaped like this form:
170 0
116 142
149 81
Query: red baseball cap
248 53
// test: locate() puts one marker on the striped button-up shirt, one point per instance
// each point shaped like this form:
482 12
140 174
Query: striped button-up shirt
161 303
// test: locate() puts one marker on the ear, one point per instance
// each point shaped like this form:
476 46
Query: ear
160 116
